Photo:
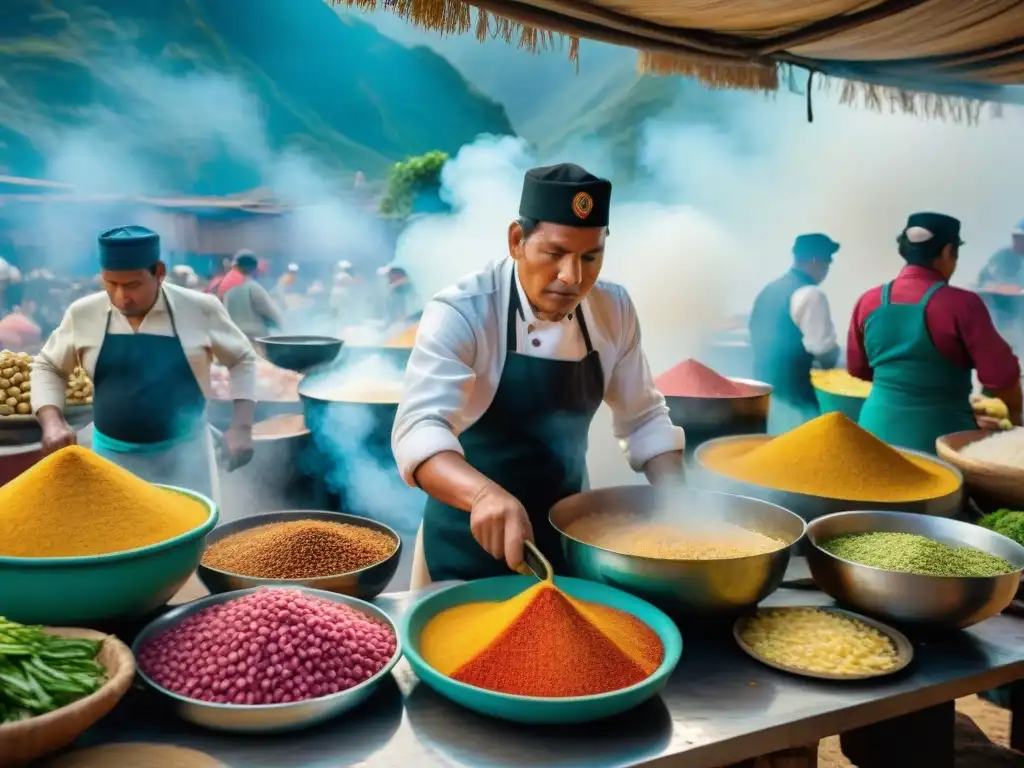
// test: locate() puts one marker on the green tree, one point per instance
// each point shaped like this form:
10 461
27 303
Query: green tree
410 178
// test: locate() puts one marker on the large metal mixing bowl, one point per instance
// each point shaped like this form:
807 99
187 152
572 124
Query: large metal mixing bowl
366 583
707 418
265 718
809 506
682 587
910 598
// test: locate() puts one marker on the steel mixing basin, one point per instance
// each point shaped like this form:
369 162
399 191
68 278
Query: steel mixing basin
265 718
682 587
909 598
365 583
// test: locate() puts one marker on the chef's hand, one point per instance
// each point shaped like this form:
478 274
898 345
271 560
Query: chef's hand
500 524
988 422
238 444
56 432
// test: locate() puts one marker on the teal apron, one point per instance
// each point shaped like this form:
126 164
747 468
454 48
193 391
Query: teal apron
532 441
149 412
917 395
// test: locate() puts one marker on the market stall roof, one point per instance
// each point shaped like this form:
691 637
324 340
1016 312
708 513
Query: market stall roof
969 49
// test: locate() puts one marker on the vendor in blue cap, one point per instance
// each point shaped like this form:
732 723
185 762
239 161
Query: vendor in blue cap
509 367
791 332
919 340
147 345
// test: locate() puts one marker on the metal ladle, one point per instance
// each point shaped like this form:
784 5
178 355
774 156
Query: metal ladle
534 562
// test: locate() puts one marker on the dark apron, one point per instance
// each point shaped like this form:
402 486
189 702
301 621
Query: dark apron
917 395
146 398
532 441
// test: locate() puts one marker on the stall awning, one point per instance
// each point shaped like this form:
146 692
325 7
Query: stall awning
954 48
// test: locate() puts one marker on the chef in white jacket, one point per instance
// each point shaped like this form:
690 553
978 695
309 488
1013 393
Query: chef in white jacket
509 367
147 345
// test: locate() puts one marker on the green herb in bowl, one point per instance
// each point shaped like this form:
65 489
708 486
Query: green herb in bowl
911 553
41 672
1008 522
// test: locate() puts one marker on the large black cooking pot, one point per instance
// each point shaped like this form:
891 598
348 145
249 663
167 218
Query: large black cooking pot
345 434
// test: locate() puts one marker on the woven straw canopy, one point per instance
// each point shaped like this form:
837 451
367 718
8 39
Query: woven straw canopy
957 48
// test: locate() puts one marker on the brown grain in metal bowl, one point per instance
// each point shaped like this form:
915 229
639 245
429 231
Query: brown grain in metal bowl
365 583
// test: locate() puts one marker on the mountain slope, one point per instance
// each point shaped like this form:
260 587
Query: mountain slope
202 96
567 114
544 85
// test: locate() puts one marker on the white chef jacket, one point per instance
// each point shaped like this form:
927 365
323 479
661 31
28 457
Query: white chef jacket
808 307
204 328
456 364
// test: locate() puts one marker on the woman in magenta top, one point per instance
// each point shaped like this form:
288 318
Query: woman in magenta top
918 339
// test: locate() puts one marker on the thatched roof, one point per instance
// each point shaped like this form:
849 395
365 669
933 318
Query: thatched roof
887 51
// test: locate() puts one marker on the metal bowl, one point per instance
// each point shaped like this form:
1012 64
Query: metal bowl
682 587
300 353
265 718
904 649
910 598
707 418
366 583
809 506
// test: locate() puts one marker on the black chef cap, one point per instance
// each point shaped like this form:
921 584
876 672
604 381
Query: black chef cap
936 227
123 249
566 194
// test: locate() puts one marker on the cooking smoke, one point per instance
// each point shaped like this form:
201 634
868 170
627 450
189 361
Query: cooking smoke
713 216
211 119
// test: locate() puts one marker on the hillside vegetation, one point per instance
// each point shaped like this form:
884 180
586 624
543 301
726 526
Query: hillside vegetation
200 95
601 108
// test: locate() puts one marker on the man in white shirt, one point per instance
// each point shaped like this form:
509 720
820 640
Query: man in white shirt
791 331
509 367
147 345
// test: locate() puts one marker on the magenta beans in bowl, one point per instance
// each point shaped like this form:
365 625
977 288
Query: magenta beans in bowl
267 659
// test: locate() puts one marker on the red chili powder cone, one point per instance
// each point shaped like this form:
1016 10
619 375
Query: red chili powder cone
693 379
550 650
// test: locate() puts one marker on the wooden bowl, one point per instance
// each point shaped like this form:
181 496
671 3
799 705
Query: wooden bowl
28 740
992 486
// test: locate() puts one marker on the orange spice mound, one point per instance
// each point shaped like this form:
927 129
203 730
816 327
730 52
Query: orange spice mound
553 650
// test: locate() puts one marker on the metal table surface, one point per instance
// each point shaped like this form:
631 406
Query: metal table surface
719 707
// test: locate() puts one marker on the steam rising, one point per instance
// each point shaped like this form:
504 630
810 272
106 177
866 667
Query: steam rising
202 117
712 221
356 440
716 214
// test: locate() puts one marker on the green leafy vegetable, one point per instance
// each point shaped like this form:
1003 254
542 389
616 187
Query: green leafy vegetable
40 672
1008 522
409 178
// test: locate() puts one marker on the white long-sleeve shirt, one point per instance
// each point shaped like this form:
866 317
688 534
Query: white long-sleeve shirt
808 306
456 364
204 328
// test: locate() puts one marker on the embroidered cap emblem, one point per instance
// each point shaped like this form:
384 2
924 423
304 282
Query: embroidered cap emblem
582 205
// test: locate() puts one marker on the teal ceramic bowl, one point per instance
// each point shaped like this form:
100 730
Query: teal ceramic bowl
75 591
846 404
531 709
